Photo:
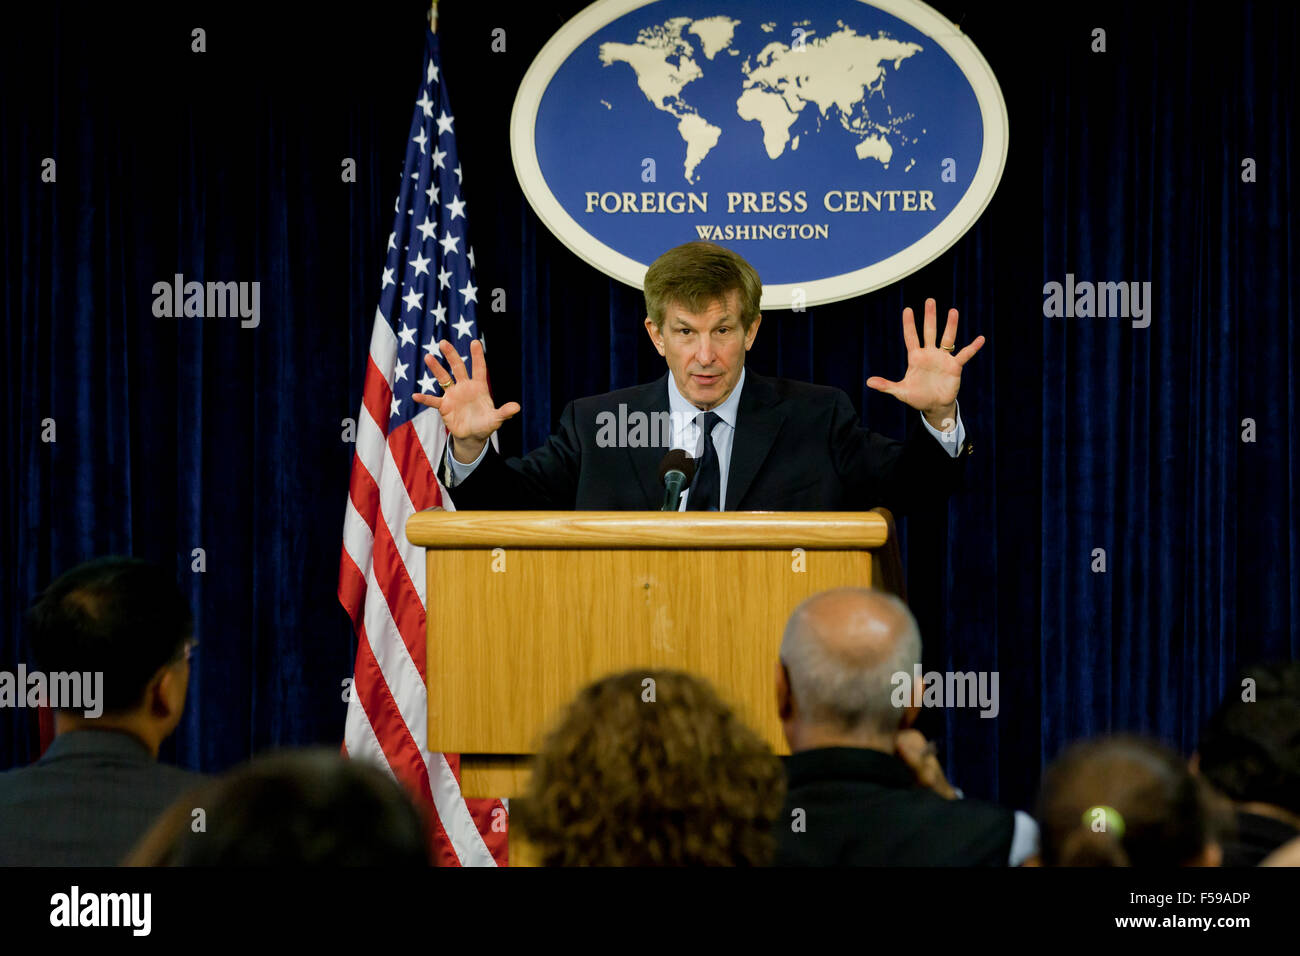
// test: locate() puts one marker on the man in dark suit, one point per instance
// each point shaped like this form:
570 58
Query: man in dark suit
774 444
99 786
863 789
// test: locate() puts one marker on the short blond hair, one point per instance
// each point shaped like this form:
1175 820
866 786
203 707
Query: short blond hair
694 275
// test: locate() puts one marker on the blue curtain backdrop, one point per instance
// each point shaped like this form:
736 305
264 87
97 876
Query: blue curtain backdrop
177 434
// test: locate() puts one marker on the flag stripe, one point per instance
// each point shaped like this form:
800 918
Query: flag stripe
413 466
378 395
352 586
377 711
400 598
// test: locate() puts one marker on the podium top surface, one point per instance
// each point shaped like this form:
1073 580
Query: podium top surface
696 530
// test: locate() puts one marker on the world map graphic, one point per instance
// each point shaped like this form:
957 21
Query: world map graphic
840 76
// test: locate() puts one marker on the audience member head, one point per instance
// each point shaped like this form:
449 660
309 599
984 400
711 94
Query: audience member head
1125 801
1250 749
126 619
836 676
651 768
296 808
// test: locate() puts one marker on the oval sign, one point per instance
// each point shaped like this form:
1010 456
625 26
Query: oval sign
838 148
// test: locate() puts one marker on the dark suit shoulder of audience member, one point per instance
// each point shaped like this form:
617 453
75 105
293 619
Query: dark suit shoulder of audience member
85 801
850 806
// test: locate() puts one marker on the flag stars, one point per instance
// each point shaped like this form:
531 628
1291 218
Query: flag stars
407 335
422 139
432 193
463 328
388 280
439 313
427 229
396 408
457 172
412 299
457 207
421 264
432 347
426 382
438 156
444 279
470 292
448 243
444 122
392 240
399 374
425 103
432 75
470 257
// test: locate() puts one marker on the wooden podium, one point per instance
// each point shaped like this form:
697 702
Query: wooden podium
530 606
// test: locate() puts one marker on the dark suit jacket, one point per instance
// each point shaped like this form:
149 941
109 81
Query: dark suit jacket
86 802
797 447
863 808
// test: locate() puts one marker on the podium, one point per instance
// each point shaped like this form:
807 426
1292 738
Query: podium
528 607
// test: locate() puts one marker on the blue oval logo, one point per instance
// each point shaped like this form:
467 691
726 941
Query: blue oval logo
837 148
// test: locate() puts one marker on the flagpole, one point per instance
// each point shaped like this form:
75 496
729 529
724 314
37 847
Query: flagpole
433 17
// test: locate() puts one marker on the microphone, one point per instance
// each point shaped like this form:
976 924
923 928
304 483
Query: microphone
675 472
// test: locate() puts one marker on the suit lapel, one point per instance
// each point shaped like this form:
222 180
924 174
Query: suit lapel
758 421
650 398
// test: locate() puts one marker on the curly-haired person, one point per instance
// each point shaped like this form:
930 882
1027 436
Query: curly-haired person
651 768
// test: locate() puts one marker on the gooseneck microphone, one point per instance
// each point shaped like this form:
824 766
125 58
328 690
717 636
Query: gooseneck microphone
675 473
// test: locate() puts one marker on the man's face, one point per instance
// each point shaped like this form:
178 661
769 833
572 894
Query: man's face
705 350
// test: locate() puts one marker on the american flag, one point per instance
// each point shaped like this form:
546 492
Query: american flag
427 293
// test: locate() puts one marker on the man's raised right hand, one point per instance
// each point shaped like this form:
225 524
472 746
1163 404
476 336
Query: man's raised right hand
465 404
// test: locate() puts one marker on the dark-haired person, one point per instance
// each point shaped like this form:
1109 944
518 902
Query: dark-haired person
775 444
296 808
1125 801
99 786
863 788
651 774
1250 752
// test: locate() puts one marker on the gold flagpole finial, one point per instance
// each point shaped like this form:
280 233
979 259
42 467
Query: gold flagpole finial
433 16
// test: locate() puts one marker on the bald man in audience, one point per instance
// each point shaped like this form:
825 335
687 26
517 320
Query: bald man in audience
863 788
